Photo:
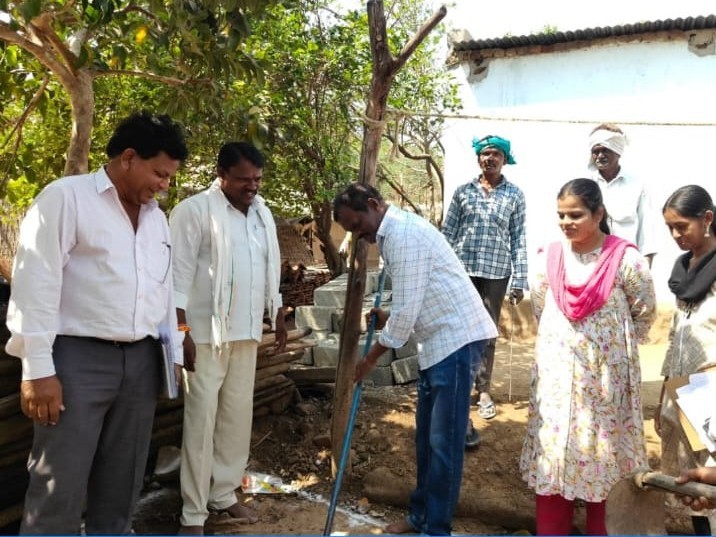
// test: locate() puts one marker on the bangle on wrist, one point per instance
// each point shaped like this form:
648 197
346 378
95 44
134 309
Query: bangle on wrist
184 328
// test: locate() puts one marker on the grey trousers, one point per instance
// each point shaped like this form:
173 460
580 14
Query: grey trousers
96 454
493 294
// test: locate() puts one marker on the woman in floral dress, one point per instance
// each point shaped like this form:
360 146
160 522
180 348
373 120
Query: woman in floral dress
689 215
594 299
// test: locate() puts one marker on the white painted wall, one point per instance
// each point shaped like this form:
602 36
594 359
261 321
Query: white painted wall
639 83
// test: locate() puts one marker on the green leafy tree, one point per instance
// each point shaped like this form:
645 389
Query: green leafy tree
313 104
320 68
55 55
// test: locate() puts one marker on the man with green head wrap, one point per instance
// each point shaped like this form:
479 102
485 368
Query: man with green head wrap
485 225
496 142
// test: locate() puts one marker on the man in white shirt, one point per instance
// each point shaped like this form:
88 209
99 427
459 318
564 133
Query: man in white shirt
91 286
629 208
433 298
226 273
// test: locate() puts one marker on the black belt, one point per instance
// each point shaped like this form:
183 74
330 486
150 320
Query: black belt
114 343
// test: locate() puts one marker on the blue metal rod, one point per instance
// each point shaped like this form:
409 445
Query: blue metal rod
352 417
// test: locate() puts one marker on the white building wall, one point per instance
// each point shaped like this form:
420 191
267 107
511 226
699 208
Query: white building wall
547 105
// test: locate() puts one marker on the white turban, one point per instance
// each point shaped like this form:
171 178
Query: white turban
615 141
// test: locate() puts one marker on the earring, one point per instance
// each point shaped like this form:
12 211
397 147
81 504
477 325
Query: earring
707 233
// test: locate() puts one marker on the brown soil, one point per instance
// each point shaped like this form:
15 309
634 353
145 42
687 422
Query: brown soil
293 446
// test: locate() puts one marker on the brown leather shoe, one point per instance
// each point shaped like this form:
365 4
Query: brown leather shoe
191 530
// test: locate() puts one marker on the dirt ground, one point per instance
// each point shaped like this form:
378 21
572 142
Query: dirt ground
294 447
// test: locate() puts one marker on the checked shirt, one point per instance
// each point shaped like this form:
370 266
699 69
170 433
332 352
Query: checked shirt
487 231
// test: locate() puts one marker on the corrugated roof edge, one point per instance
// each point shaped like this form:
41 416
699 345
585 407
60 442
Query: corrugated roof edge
551 38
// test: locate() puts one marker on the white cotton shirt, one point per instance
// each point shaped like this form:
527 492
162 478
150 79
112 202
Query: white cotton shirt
81 270
630 211
432 294
191 238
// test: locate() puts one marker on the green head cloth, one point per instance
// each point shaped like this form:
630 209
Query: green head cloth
494 141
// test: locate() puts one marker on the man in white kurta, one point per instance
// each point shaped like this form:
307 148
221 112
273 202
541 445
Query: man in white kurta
226 266
630 211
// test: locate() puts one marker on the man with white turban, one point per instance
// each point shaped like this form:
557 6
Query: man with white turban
627 202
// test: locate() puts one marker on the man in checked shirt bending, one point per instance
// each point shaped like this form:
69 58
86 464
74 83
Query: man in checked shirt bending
485 225
434 299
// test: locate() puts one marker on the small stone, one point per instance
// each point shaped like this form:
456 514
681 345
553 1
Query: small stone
305 409
322 440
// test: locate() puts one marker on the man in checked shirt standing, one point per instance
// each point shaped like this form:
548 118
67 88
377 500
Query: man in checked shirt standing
485 225
434 299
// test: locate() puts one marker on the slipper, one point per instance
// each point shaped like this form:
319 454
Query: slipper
472 439
487 411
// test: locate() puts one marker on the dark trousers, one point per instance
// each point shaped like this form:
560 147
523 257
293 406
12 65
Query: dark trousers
440 422
493 294
96 454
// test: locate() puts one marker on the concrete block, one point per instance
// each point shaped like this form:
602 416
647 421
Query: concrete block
371 282
409 349
405 369
381 376
317 335
325 353
385 359
385 299
306 358
314 317
337 321
330 295
340 280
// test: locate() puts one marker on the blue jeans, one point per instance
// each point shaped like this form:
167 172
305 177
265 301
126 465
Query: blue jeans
441 421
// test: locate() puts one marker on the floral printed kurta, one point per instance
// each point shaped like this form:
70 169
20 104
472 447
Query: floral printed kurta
585 429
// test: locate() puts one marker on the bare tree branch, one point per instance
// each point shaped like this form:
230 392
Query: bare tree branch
43 55
424 156
168 80
26 112
419 37
139 9
398 190
17 127
43 29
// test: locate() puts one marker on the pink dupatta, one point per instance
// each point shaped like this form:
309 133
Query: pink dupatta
579 301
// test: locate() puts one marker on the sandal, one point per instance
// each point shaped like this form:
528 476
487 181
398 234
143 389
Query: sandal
487 411
472 439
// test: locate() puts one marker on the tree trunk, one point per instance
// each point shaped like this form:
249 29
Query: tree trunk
385 67
324 221
82 103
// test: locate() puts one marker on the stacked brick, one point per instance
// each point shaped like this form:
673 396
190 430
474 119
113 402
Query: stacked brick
324 318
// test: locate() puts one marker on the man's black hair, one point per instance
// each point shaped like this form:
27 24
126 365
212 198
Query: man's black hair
231 153
355 196
148 135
